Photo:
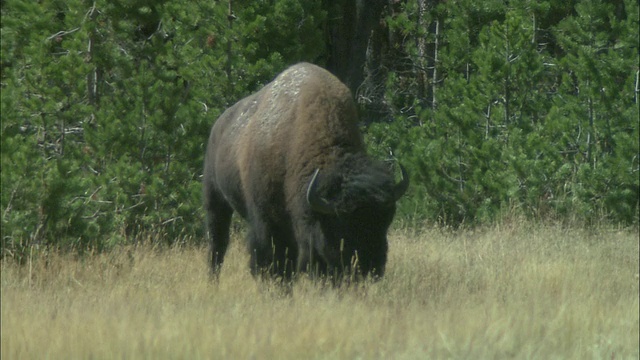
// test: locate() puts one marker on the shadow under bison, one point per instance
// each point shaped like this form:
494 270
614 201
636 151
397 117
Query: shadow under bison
291 160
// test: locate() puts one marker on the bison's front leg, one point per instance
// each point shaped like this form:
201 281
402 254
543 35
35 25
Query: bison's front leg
271 253
309 261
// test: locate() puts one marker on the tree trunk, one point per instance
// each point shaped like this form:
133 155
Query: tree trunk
421 45
92 76
230 18
349 31
434 80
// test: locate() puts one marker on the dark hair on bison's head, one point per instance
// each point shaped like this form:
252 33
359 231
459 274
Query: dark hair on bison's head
355 181
355 203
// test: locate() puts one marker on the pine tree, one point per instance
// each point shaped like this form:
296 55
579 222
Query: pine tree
534 111
600 138
107 107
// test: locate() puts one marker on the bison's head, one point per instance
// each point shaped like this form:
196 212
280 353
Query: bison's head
355 202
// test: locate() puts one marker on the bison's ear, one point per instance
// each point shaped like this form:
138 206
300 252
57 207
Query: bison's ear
315 201
400 188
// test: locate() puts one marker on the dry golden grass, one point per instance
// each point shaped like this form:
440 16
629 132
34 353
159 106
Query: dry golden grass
537 292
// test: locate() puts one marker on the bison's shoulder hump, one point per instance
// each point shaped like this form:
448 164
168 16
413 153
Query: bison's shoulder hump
306 77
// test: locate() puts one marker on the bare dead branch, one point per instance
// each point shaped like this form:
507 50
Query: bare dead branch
62 33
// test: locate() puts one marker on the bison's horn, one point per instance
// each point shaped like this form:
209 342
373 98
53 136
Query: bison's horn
401 187
317 203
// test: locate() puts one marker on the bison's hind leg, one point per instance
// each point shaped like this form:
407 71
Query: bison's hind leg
218 225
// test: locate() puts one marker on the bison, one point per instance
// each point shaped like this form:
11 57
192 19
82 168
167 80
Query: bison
290 159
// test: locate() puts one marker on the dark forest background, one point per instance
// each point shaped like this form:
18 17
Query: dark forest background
497 108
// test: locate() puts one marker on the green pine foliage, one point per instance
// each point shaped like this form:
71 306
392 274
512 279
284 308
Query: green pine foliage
106 108
534 110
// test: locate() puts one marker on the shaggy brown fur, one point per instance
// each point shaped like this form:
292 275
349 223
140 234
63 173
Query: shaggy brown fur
261 156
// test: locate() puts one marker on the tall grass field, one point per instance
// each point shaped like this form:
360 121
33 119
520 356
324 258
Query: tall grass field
506 292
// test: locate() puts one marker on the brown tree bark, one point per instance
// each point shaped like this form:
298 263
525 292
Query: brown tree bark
349 30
